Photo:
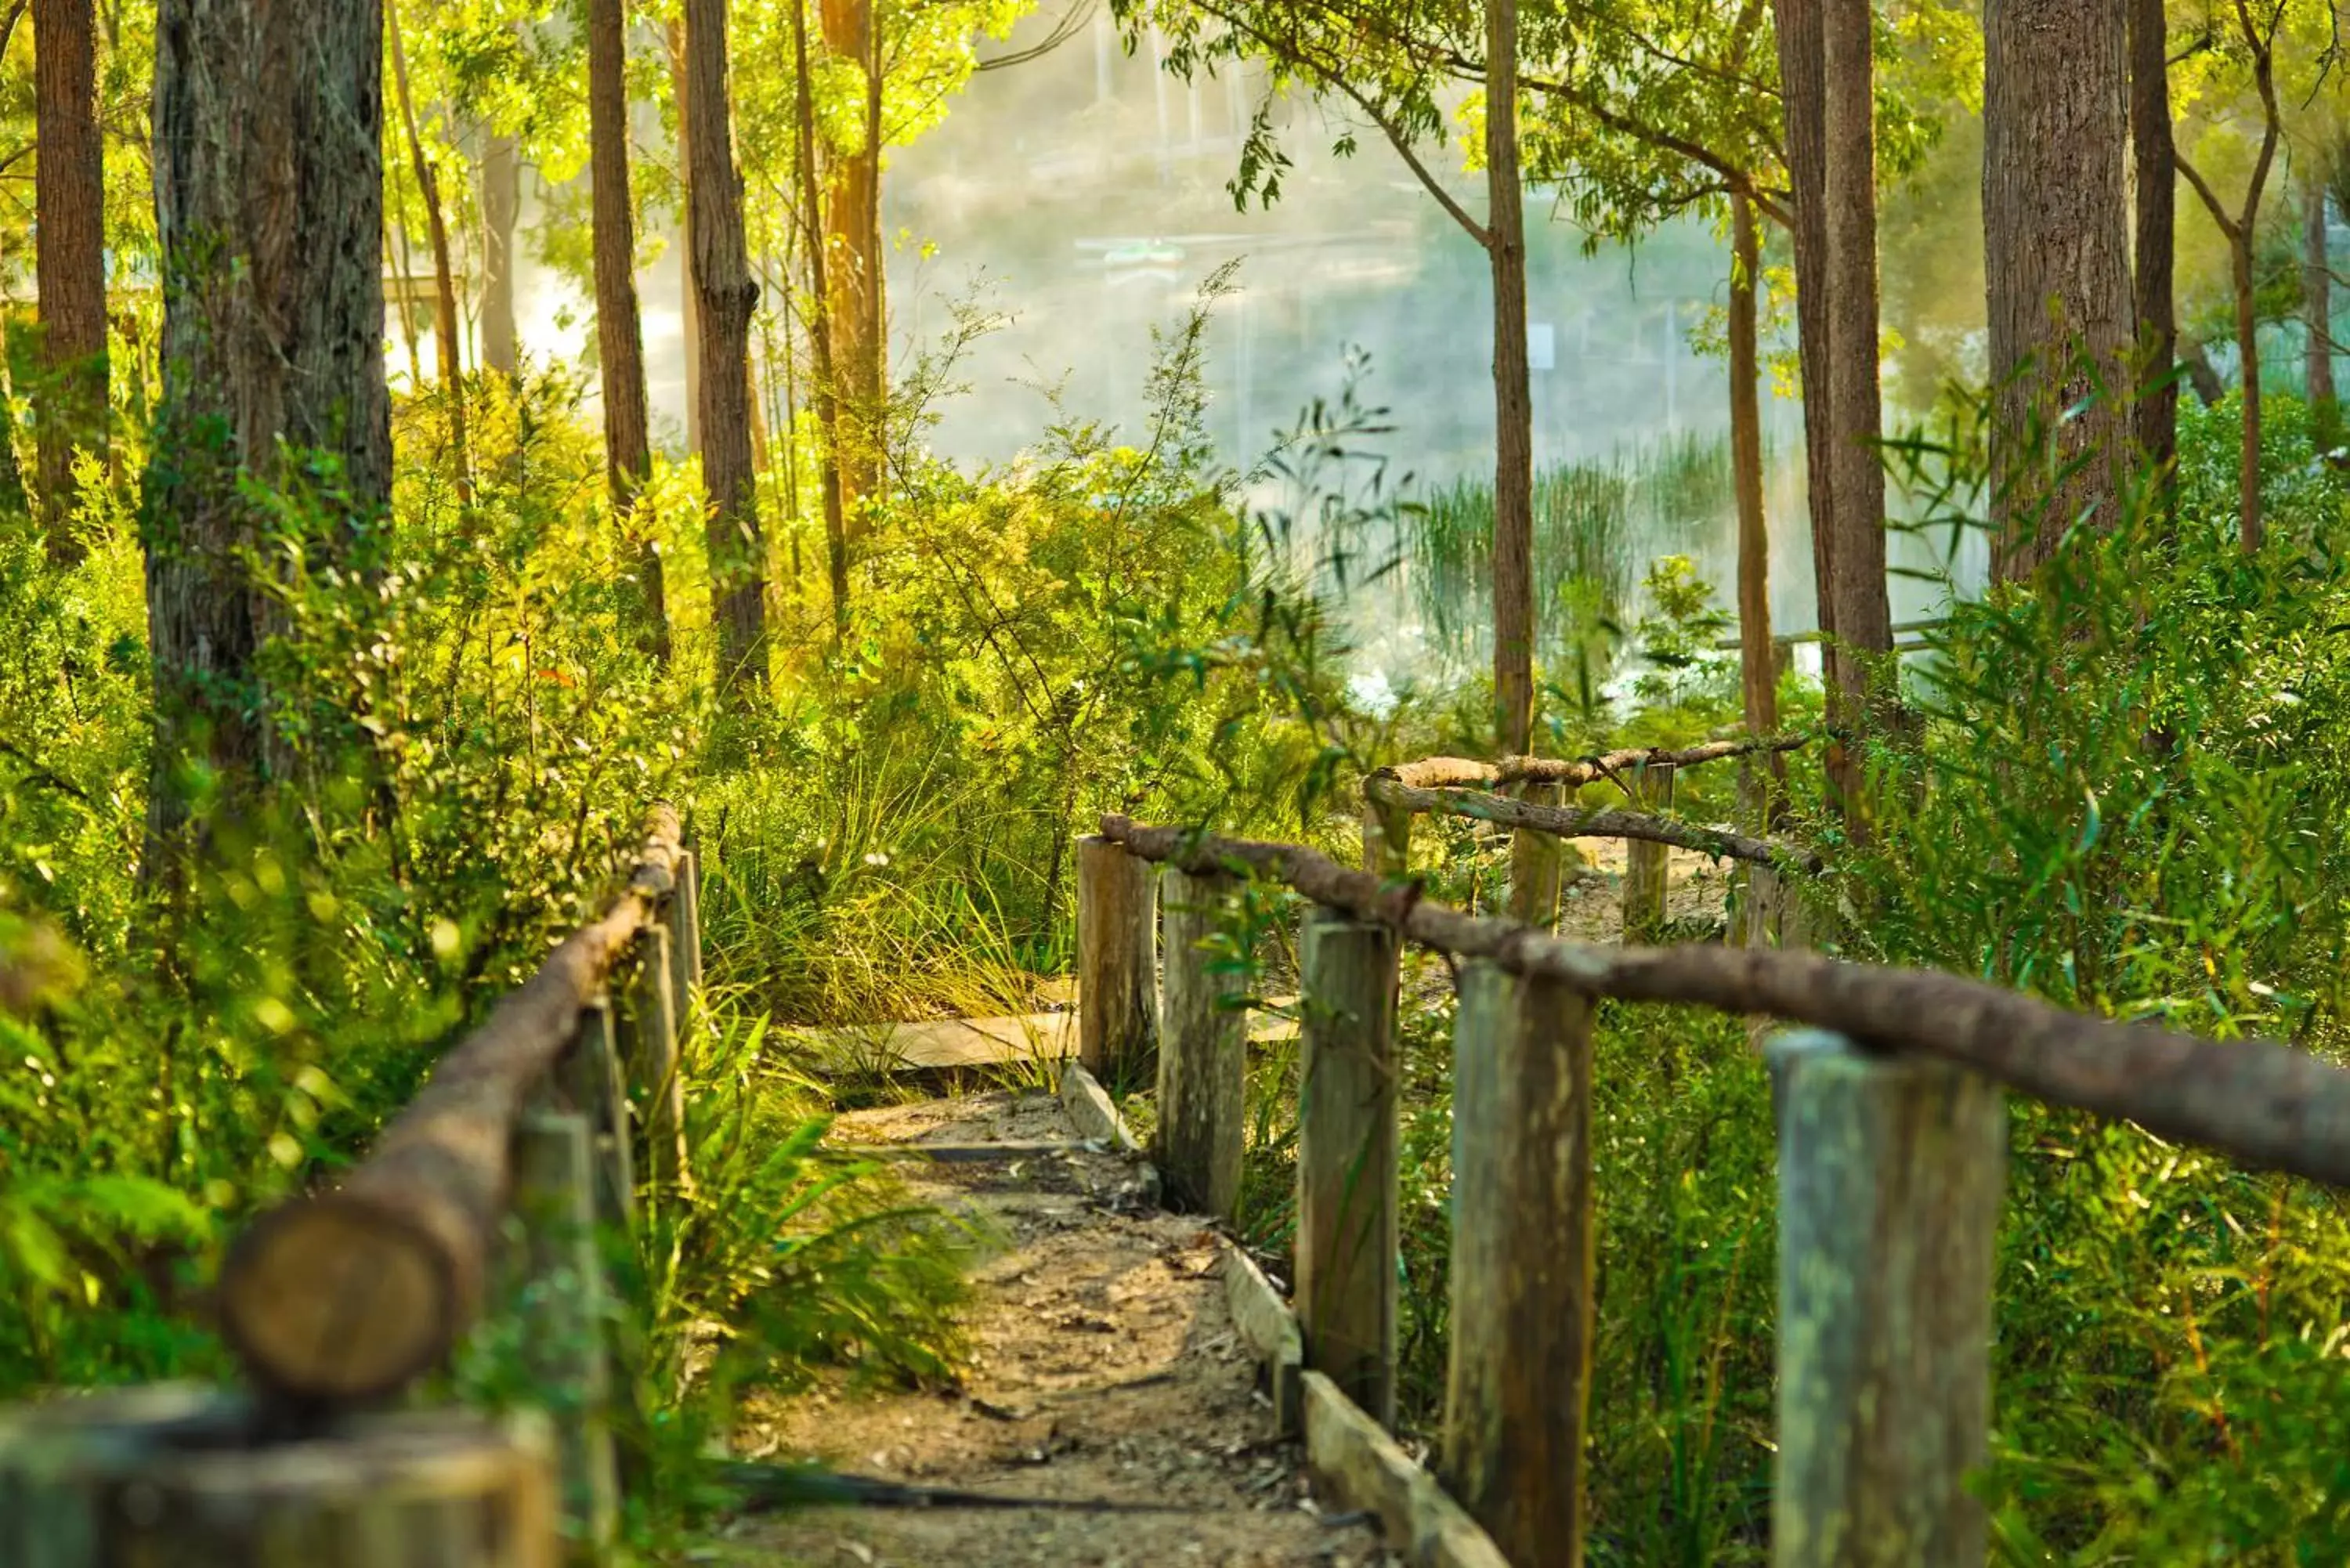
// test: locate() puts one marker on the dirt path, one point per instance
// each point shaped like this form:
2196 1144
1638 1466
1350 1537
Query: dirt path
1106 1369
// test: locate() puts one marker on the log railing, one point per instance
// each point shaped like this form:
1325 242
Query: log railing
1458 786
1892 1143
494 1184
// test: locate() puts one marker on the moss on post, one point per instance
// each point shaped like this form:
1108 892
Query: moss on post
1202 1053
1646 866
1524 1257
1346 1223
1890 1174
1536 861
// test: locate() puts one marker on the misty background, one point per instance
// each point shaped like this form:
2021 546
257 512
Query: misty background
1082 198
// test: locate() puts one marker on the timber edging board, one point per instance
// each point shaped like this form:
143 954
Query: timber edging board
1369 1470
1090 1106
1265 1321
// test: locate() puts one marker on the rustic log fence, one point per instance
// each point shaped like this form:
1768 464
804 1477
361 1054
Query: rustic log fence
1892 1149
499 1186
1457 787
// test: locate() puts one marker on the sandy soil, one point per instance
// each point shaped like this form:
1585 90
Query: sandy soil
1591 905
1107 1369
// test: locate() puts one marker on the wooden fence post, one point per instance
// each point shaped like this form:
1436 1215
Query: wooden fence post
563 1310
652 1057
592 1082
171 1473
1386 839
1535 859
685 922
1524 1257
1117 979
1890 1174
1346 1237
1202 1053
1647 867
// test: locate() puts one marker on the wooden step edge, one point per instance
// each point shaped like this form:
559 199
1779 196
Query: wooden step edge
1095 1113
1269 1327
1367 1469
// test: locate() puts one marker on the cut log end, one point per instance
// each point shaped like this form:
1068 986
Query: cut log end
339 1299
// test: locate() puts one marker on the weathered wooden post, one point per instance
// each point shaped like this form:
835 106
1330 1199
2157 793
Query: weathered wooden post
180 1475
1890 1173
590 1080
1535 859
1387 837
1524 1257
1347 1237
685 923
1117 970
1647 867
562 1303
1202 1053
652 1057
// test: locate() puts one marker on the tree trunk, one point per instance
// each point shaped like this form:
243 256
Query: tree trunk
269 211
2056 253
2317 303
445 276
620 328
70 229
2248 359
827 402
690 304
1801 64
1758 671
1513 459
727 295
501 207
1865 693
2156 170
853 260
2202 374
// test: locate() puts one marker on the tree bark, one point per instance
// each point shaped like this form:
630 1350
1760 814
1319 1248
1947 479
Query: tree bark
70 207
501 207
2202 374
269 211
1865 692
1757 671
619 327
827 401
2317 303
1514 473
1802 63
727 295
2155 163
688 303
2056 255
853 255
445 330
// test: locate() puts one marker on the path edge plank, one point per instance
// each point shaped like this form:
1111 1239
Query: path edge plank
1269 1328
1368 1470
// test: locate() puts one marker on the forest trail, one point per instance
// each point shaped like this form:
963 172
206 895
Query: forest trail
1105 1368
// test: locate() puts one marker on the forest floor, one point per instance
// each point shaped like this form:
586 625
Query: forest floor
1105 1369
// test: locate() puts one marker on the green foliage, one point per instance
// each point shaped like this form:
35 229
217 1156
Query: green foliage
2121 799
